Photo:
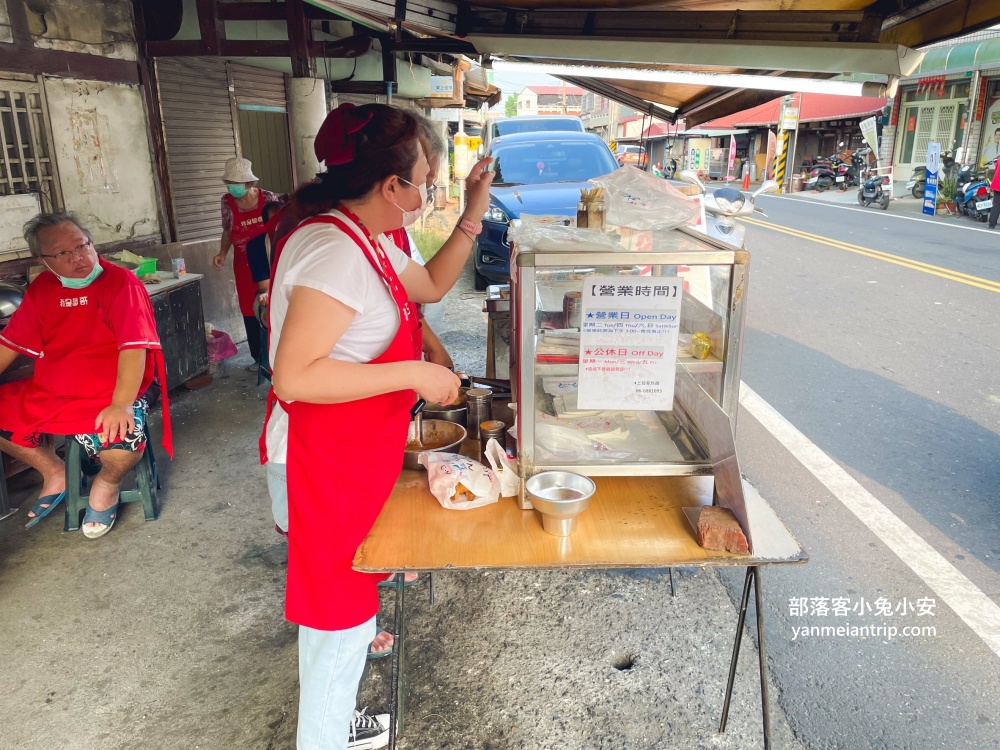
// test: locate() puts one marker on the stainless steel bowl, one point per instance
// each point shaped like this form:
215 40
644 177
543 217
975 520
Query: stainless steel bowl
11 295
455 414
560 496
439 436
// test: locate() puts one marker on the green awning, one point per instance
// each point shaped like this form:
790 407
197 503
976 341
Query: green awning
969 56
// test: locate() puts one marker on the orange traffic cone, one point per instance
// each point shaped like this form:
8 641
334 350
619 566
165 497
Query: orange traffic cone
746 179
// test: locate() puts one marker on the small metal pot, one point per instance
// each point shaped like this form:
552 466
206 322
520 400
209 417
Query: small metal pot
439 436
456 412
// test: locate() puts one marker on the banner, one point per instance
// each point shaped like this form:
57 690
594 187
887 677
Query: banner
870 133
730 169
990 142
769 164
930 189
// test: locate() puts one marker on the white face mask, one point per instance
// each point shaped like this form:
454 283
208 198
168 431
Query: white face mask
411 217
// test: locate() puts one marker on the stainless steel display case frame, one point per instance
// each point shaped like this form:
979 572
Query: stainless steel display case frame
695 250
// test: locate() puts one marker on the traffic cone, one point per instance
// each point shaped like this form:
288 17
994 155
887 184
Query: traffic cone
746 179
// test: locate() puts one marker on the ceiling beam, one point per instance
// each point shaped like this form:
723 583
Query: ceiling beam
251 11
299 37
436 46
786 25
213 28
231 48
806 57
67 64
923 25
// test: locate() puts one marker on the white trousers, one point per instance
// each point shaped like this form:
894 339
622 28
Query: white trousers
330 667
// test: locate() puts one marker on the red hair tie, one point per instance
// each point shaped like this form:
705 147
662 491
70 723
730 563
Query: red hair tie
334 145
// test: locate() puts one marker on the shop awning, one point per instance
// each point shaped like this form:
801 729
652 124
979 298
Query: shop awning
969 56
776 38
813 108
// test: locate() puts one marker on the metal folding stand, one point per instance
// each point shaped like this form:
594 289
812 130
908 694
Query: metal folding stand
752 576
5 510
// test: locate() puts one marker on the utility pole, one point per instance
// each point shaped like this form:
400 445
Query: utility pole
562 89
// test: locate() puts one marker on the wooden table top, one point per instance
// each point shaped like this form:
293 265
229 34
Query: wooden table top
632 522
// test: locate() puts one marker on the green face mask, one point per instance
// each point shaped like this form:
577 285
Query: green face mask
81 283
237 191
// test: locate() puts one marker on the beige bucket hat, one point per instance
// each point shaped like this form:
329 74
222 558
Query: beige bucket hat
238 170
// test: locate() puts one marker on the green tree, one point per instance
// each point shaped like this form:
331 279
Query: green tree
510 106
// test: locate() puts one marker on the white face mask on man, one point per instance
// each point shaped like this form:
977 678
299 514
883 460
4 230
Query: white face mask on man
411 217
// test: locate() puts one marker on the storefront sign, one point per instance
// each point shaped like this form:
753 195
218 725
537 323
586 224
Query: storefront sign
628 342
931 188
442 87
769 164
990 145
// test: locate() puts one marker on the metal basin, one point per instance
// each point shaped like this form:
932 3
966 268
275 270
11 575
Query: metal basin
560 496
439 435
457 411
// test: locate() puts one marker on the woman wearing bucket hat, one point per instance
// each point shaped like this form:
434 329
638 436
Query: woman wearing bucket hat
346 346
242 205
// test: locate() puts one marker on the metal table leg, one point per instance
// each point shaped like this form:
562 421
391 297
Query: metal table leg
673 591
5 510
396 682
752 578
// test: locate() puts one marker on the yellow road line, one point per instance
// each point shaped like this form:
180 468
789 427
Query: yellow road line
915 265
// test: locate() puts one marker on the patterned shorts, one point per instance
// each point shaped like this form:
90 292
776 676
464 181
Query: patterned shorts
134 441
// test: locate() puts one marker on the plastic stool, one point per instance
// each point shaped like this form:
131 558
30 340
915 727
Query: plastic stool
147 482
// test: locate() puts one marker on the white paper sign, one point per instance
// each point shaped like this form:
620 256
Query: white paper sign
628 342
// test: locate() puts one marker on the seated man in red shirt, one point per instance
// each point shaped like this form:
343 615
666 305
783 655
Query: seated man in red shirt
89 326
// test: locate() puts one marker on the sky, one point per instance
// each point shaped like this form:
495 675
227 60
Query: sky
513 83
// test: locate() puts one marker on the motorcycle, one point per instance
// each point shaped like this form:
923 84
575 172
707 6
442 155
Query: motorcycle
872 191
823 176
918 180
973 195
722 204
849 175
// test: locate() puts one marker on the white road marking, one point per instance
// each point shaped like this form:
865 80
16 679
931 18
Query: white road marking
883 214
976 609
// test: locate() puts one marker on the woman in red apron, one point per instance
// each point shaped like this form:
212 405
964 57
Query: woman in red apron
347 370
242 206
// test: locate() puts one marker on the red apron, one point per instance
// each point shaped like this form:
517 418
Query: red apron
246 225
343 460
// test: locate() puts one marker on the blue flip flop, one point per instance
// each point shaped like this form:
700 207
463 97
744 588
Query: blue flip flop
103 517
373 655
51 500
392 583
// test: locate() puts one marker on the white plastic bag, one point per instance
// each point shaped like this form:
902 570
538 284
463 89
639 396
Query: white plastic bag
459 483
638 200
504 468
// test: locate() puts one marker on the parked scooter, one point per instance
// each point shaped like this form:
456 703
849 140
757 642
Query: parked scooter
872 190
849 175
973 195
918 180
722 204
823 176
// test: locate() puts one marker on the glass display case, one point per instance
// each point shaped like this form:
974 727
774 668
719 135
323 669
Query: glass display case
625 352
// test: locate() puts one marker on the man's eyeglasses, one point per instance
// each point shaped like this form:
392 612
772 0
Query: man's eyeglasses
80 251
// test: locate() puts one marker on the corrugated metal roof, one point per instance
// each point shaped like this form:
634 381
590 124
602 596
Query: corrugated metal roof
814 108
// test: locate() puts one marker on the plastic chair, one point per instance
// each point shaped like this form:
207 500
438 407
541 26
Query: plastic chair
79 470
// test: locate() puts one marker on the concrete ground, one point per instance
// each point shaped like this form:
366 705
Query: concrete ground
169 635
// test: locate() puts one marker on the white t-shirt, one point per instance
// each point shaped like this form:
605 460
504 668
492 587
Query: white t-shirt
322 257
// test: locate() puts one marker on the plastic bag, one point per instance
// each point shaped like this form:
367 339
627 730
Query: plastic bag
504 468
545 235
459 483
220 345
638 200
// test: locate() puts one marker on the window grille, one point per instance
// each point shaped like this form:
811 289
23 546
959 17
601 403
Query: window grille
26 160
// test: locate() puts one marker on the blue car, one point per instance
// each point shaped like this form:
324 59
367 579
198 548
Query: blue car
536 173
